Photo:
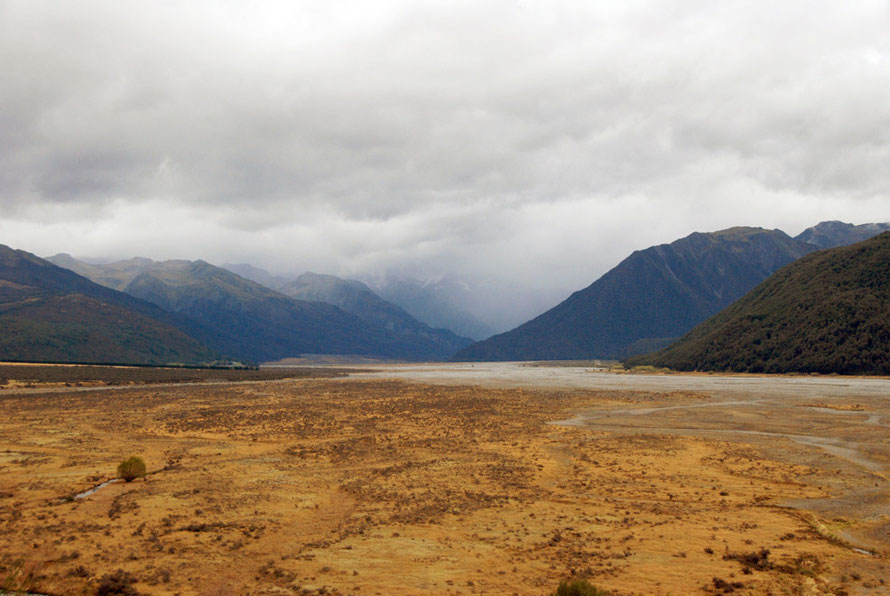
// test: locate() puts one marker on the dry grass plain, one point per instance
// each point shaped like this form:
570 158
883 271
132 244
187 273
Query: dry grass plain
342 486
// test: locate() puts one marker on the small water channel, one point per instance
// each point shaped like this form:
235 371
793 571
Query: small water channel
95 489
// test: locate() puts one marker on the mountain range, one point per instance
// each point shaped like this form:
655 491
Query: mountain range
656 295
143 311
469 306
358 299
248 321
827 312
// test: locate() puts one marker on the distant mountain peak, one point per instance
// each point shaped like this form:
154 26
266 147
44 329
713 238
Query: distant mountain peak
260 276
830 234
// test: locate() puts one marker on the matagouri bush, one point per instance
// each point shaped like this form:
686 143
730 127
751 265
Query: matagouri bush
130 469
578 587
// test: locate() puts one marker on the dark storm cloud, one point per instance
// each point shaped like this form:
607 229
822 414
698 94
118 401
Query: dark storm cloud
543 139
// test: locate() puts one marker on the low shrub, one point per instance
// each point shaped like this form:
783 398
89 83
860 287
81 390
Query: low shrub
130 469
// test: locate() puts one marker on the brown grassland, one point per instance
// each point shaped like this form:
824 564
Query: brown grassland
341 486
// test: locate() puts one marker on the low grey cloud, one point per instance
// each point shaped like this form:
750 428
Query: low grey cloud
542 141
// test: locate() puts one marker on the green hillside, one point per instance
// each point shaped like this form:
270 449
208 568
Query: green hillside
76 328
50 314
828 312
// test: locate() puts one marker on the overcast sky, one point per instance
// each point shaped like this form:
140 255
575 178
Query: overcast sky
541 141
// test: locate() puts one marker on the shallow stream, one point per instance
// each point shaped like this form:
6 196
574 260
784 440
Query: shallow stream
95 489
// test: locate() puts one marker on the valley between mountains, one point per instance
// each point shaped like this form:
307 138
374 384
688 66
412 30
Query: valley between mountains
512 298
181 312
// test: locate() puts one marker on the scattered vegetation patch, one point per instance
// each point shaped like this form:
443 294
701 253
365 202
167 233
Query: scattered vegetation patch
721 586
757 560
86 375
806 564
647 369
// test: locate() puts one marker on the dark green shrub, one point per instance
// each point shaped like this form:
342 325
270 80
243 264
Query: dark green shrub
130 469
578 587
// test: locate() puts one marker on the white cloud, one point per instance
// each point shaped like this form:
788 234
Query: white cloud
542 140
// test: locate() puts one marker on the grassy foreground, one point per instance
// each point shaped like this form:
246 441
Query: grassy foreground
384 487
